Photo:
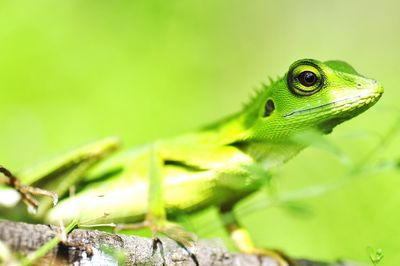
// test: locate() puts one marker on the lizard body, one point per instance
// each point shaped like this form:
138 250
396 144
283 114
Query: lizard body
217 165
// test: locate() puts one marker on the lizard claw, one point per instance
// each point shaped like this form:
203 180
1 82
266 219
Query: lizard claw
27 193
280 258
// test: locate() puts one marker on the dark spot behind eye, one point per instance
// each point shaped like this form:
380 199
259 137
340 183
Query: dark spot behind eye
269 108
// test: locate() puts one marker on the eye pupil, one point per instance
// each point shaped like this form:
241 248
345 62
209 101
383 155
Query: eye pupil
307 78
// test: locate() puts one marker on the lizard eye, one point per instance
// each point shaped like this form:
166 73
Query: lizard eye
305 79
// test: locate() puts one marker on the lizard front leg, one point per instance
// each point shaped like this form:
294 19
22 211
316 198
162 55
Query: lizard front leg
156 217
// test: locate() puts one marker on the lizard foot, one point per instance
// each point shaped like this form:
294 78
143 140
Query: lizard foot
170 229
280 258
27 193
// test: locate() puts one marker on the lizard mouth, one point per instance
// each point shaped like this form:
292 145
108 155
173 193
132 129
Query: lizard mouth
344 105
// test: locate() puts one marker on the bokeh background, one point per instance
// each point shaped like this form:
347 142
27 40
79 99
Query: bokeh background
74 71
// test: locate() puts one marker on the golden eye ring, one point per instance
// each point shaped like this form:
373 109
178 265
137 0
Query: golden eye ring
305 79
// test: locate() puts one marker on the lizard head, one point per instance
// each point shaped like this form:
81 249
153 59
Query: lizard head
311 95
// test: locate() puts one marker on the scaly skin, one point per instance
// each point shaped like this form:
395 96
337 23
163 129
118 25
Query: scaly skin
217 165
224 162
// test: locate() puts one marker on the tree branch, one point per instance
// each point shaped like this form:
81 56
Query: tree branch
92 247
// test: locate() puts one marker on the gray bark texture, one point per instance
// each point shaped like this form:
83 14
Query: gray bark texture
92 247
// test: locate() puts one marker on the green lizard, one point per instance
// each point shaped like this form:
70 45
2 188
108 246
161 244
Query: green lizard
217 165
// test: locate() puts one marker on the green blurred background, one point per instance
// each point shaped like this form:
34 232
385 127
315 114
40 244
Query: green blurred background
74 71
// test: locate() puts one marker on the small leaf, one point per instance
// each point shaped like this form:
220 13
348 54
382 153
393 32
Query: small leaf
116 254
375 255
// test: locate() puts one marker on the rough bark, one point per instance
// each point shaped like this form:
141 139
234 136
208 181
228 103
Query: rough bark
92 247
